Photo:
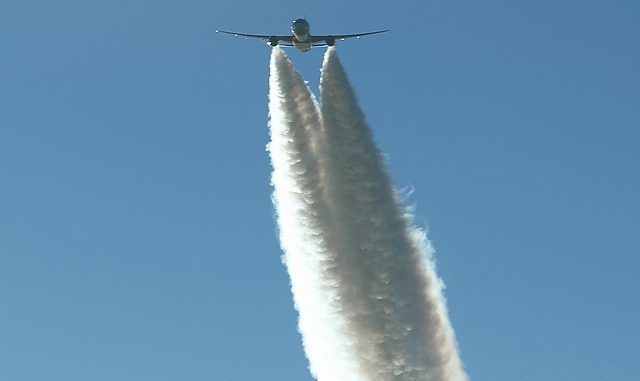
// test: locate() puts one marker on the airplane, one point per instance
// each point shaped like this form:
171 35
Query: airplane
300 38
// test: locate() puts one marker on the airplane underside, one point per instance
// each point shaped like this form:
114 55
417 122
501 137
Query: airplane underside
302 46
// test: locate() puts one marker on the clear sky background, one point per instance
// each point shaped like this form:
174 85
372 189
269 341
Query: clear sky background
137 234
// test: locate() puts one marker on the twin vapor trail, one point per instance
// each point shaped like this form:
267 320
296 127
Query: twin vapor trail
369 301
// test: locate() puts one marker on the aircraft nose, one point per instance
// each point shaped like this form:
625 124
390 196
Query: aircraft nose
300 26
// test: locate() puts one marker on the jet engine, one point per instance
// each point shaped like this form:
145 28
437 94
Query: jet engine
273 41
330 40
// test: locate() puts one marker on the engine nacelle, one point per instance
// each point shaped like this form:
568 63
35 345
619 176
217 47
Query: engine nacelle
273 41
330 41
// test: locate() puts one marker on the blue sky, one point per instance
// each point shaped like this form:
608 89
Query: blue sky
137 235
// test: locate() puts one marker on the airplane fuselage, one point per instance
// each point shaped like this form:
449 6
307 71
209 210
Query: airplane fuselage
300 29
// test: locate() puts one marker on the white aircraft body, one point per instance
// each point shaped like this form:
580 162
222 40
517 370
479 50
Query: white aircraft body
300 37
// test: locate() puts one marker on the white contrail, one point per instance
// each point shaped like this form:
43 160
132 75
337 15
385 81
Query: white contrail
392 298
369 301
294 147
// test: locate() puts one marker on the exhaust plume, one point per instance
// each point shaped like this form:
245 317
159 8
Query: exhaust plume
369 300
298 200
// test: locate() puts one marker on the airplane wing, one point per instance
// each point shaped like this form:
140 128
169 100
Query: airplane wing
329 40
280 40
